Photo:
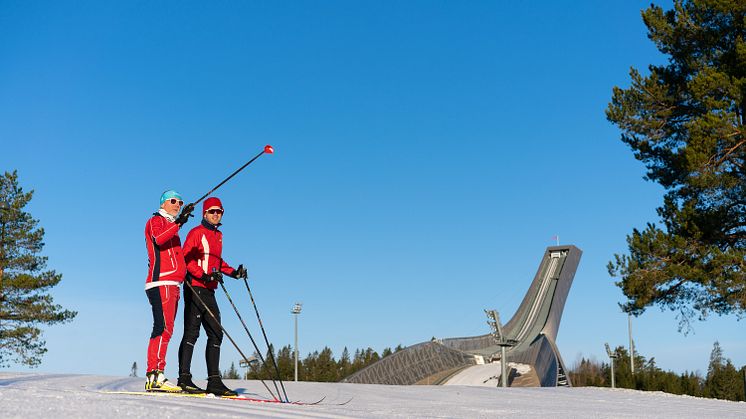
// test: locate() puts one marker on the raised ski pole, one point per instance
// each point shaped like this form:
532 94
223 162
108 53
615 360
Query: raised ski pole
267 150
253 342
226 333
271 355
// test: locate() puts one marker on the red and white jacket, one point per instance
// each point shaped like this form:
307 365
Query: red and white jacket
166 264
203 250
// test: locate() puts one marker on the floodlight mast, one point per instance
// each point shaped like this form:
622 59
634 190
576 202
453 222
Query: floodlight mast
296 311
631 345
612 357
493 320
4 207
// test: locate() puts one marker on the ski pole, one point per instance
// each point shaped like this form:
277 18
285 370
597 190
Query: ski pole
267 149
214 317
271 355
253 342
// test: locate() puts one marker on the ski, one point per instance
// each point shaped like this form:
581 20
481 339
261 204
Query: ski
212 396
337 404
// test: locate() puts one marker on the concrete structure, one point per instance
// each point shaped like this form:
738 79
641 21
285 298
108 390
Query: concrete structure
534 328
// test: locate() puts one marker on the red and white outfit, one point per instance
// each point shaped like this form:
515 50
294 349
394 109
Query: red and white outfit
203 249
166 271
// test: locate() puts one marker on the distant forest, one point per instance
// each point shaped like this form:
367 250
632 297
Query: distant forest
723 380
316 366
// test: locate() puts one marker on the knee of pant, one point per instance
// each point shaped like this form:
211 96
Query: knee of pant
191 336
158 329
215 340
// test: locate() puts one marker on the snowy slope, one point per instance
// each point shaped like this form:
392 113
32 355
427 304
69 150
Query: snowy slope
54 396
484 375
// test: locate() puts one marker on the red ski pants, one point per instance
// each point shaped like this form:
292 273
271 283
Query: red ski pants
164 301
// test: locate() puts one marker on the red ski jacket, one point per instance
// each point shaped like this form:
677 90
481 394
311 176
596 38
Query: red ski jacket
203 250
166 264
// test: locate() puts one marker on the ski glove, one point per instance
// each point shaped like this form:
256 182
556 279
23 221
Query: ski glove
215 276
186 212
240 272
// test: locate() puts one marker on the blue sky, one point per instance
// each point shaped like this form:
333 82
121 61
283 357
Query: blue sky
426 153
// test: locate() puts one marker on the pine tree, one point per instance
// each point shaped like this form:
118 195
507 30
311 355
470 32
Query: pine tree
286 363
344 365
723 380
370 356
231 373
327 367
685 122
267 371
25 302
310 367
716 359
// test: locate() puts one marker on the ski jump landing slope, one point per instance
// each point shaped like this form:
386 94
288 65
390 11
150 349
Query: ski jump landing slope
534 328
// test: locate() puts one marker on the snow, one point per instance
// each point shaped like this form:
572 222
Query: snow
485 375
72 396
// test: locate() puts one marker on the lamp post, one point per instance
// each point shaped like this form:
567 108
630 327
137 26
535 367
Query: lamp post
631 345
612 357
3 208
493 320
296 311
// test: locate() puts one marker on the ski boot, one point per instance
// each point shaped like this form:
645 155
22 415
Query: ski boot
156 381
215 386
187 386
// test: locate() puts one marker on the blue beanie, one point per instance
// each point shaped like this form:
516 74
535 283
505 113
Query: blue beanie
170 194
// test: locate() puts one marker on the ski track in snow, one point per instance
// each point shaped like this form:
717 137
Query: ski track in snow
26 396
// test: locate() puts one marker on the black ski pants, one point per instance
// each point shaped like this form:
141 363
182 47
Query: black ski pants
196 316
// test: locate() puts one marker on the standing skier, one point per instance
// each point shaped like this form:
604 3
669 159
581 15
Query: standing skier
166 270
205 268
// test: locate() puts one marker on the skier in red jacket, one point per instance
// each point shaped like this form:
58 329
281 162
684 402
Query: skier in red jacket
166 270
203 250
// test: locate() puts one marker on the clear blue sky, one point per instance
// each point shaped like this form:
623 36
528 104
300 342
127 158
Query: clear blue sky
426 153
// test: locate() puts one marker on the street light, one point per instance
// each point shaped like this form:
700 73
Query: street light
631 344
612 357
296 311
3 208
493 320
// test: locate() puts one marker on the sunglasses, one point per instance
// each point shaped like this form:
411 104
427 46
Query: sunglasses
215 211
173 201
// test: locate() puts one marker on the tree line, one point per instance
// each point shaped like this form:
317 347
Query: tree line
723 380
316 366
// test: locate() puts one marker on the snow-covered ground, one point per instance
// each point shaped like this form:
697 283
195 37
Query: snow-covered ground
82 396
486 375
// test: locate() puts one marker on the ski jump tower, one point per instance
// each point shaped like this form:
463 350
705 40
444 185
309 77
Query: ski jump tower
533 328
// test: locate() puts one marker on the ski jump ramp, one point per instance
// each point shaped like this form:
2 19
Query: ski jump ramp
534 328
